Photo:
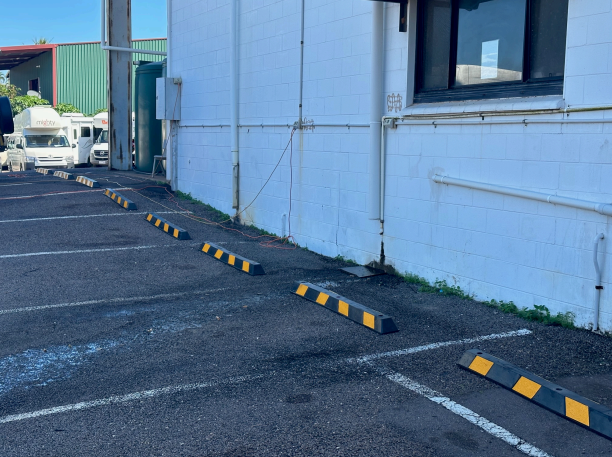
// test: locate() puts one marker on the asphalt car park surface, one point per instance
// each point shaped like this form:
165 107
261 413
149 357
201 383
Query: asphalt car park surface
118 339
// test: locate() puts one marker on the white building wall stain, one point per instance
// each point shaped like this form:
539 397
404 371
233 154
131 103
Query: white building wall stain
491 245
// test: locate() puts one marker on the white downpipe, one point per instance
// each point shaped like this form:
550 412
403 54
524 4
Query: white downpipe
601 208
376 110
598 286
383 158
116 48
301 65
234 104
171 151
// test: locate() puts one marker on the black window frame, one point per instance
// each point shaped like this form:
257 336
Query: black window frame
511 89
31 84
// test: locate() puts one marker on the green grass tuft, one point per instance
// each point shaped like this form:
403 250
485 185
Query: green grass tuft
340 258
539 313
438 287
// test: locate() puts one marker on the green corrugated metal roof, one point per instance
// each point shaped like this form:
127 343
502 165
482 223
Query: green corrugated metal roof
81 72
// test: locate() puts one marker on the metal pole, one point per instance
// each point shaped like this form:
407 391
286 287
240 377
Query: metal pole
301 65
234 105
376 110
119 16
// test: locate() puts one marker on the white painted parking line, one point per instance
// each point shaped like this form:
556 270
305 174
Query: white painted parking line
428 347
109 301
125 398
87 216
82 251
17 184
51 194
467 414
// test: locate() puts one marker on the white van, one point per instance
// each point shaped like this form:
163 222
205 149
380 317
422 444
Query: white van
80 131
3 154
39 140
99 152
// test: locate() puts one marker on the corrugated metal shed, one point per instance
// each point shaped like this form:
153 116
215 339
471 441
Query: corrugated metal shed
39 67
81 72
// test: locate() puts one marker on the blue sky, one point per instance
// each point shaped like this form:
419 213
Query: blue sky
68 21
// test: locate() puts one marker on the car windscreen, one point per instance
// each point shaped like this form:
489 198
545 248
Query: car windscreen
103 138
46 141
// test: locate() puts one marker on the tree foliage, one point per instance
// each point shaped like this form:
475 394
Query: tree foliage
26 101
62 108
9 90
41 40
98 111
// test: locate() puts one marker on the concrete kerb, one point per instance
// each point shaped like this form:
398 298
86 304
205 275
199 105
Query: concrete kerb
234 260
44 171
553 397
63 175
356 312
168 227
87 181
120 200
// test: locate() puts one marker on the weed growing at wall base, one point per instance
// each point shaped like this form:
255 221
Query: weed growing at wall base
340 258
438 287
539 313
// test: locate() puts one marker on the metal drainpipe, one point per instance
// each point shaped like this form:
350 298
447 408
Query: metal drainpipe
169 153
301 66
376 109
598 286
116 48
234 105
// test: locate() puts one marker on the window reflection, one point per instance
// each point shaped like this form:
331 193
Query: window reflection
490 41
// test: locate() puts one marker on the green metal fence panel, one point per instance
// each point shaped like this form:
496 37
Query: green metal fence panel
40 67
81 72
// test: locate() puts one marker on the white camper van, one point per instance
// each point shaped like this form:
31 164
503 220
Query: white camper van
39 141
3 154
99 152
80 132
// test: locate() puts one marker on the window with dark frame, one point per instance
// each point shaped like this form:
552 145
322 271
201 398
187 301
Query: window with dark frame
485 49
33 84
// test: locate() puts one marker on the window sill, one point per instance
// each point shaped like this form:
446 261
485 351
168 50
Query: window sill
497 106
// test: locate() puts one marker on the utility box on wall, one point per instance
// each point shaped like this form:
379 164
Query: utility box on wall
168 100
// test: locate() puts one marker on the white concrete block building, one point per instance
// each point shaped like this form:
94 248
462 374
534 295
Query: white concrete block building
462 140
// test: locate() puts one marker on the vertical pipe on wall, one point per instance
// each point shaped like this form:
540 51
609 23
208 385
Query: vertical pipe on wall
412 51
234 104
169 153
598 286
376 110
301 65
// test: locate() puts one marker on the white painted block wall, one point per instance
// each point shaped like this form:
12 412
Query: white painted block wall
492 246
